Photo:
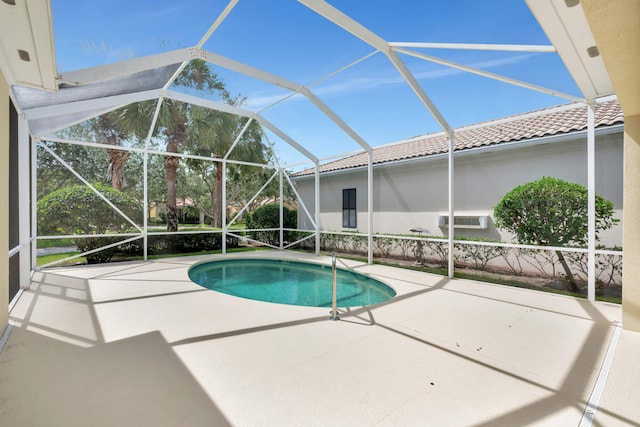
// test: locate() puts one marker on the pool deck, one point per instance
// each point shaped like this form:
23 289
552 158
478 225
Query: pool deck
138 344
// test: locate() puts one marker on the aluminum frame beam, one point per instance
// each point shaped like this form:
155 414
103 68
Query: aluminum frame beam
123 68
358 30
490 75
237 139
353 27
219 20
247 70
391 50
451 197
304 207
477 46
591 203
151 151
24 202
316 208
88 184
255 196
117 101
223 210
223 15
221 106
420 93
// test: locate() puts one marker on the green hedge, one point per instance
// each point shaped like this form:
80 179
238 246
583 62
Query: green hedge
268 216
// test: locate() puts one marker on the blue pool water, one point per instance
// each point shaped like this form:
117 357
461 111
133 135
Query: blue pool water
289 282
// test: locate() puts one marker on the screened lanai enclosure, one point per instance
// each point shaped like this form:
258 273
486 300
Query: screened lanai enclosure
182 129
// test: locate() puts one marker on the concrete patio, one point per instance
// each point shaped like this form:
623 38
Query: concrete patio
139 344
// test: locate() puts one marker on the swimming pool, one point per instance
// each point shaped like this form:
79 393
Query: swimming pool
289 282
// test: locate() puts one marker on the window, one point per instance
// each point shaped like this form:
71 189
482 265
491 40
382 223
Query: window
349 213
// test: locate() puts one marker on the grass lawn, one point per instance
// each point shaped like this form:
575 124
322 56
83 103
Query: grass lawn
54 243
46 259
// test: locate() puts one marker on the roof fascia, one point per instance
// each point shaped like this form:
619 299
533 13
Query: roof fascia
27 26
567 28
550 139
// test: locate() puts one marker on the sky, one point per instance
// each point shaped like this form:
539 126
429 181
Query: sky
284 38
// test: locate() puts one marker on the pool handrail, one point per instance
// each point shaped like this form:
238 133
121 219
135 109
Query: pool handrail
334 309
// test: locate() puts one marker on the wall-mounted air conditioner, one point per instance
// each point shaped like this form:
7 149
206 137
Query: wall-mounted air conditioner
464 221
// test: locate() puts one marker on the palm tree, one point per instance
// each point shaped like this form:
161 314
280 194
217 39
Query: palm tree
109 131
174 123
213 136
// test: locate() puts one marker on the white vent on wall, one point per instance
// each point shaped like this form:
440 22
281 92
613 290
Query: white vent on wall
464 221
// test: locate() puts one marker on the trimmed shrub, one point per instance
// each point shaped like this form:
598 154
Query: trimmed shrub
79 210
268 216
552 212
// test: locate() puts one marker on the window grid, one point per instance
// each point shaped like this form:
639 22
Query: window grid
349 212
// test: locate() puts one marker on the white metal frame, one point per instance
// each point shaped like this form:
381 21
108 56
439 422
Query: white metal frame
390 49
24 202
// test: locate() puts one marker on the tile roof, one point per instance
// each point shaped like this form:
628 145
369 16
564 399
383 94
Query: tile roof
546 122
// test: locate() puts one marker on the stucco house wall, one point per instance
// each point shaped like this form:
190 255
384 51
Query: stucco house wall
413 193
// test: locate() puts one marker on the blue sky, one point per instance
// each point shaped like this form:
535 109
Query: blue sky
285 38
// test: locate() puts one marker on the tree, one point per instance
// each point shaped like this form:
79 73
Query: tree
175 122
77 209
156 178
243 185
552 212
109 130
88 162
214 136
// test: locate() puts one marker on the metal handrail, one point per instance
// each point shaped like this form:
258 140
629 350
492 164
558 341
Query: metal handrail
334 299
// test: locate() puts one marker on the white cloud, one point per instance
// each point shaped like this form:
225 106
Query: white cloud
359 84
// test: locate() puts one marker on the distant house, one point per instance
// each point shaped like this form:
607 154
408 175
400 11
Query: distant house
188 212
410 178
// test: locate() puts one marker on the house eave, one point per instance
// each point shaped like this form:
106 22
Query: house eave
558 138
27 54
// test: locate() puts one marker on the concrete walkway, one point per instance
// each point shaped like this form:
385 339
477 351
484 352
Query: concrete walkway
139 344
55 250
